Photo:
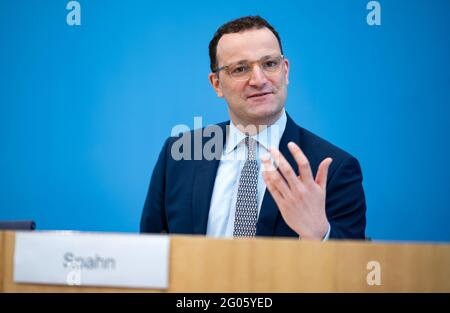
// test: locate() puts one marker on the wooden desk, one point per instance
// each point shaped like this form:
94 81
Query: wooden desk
200 264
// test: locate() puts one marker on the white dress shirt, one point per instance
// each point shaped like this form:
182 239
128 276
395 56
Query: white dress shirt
223 201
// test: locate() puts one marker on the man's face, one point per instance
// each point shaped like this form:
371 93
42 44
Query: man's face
260 99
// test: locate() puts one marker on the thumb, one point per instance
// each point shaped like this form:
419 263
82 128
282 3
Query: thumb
322 172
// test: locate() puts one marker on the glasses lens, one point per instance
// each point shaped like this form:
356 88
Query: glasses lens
272 65
240 70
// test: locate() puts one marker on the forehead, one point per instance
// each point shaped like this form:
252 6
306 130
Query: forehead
247 45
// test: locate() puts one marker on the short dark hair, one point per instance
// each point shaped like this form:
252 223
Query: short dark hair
236 26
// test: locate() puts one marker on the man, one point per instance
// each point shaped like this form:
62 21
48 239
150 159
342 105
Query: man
293 184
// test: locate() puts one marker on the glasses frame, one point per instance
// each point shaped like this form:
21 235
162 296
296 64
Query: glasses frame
244 78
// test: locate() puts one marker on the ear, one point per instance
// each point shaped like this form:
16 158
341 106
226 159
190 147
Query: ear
286 63
215 83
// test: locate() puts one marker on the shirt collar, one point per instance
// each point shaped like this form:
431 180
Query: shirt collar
269 137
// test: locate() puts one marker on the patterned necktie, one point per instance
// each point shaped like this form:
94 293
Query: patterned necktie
247 195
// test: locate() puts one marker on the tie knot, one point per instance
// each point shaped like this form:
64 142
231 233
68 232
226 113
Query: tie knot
250 145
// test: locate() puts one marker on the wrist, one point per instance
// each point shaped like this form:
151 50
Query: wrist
319 233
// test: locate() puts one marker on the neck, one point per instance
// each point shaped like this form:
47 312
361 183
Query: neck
255 127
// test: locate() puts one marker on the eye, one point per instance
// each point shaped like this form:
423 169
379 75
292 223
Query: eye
239 69
271 63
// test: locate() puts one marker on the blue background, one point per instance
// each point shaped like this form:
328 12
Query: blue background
84 110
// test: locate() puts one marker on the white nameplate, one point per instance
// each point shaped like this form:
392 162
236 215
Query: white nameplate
88 259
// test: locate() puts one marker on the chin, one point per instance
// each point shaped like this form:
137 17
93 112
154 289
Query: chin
265 114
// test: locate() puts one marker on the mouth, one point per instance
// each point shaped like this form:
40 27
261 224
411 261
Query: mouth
259 95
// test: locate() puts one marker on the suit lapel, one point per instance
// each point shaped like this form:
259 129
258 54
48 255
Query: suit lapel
203 186
269 212
205 175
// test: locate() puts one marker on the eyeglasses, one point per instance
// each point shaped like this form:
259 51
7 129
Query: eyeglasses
242 71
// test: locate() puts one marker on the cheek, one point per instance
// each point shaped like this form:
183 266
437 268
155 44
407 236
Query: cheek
233 92
281 83
283 80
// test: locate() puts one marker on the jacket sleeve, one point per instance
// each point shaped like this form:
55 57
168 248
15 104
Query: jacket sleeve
153 219
346 204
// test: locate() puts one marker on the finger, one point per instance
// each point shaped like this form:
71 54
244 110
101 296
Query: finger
322 172
285 168
302 161
276 180
276 194
268 163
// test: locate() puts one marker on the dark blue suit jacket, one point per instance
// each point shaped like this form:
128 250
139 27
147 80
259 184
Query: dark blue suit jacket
179 195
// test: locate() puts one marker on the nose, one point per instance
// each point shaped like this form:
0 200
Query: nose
257 77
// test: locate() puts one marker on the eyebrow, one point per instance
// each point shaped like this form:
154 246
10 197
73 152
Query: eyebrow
245 60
